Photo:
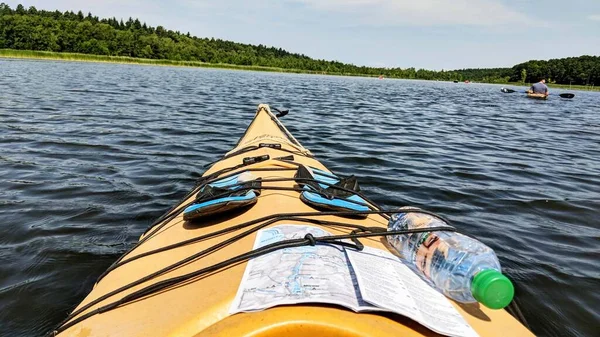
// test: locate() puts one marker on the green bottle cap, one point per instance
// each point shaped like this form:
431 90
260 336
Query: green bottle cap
492 289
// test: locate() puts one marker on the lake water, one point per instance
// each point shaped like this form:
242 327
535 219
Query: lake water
90 154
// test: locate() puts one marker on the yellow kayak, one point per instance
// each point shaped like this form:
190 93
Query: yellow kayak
537 96
183 275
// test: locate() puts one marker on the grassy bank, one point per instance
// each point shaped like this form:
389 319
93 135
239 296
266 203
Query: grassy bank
46 55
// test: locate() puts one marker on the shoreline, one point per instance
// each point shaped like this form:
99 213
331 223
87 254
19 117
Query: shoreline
77 57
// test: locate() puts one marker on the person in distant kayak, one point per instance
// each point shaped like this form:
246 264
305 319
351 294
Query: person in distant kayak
539 88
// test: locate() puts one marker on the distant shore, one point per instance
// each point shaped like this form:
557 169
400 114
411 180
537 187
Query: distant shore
76 57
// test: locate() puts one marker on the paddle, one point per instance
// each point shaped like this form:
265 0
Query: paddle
510 91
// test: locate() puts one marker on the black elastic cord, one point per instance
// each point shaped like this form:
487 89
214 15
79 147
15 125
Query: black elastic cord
161 285
182 207
289 217
277 188
274 217
201 182
210 178
515 311
321 192
226 170
256 147
358 232
270 219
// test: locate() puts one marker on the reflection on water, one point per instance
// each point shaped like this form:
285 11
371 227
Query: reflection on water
90 154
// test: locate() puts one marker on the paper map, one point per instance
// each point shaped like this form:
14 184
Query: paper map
369 280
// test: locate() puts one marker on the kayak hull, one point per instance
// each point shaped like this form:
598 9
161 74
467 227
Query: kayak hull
200 306
537 96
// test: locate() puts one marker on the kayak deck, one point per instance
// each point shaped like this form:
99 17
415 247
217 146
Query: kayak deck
199 306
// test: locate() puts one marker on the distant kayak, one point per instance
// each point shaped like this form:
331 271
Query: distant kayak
536 96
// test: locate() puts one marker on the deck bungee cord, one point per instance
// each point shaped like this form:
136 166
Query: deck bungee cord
272 218
268 220
275 146
217 176
309 240
163 220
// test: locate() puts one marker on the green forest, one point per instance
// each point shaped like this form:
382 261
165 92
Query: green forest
54 31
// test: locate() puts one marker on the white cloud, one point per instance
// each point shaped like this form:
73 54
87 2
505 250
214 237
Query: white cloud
423 12
595 17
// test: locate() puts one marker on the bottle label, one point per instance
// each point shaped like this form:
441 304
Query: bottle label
429 249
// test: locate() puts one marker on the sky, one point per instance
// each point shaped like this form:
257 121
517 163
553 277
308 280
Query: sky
430 34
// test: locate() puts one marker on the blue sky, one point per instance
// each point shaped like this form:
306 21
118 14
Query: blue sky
432 34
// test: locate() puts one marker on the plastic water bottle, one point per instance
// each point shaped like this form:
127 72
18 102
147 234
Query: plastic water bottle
461 267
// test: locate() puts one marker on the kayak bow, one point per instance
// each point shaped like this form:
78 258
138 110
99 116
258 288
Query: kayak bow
181 277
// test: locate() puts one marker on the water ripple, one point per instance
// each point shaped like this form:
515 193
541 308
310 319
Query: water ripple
89 159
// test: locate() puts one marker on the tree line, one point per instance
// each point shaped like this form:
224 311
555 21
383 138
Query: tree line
55 31
583 70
